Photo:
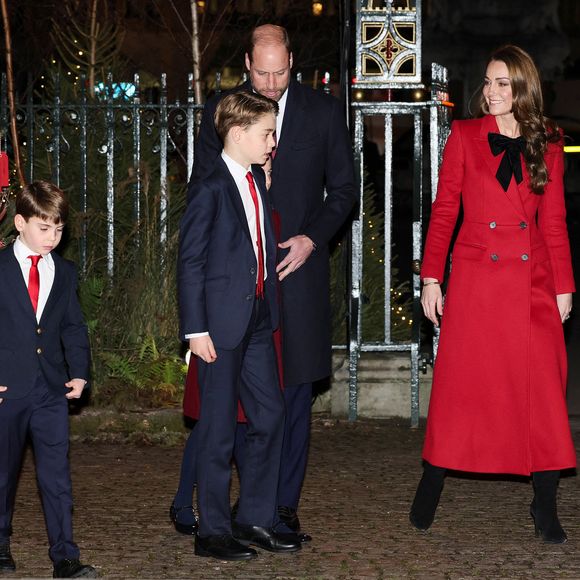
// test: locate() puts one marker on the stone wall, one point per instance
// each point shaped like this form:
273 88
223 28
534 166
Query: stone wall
384 386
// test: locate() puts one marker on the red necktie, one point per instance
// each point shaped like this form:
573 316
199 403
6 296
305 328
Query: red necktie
34 281
254 194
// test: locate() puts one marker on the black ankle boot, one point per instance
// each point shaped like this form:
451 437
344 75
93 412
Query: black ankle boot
543 508
427 496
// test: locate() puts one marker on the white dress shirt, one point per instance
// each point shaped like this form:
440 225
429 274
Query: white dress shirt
238 172
280 115
45 272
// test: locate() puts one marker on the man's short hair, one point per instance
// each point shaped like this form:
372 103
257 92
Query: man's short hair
241 109
267 34
43 200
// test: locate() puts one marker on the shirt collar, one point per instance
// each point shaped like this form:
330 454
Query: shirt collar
22 251
238 171
282 103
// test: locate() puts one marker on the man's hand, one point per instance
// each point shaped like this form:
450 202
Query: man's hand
300 249
76 387
202 346
2 389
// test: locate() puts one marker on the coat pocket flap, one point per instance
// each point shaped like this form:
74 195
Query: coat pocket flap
468 251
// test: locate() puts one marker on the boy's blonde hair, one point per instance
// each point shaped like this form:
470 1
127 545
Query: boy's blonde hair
241 110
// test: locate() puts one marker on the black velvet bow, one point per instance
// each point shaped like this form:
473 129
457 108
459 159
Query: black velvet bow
511 163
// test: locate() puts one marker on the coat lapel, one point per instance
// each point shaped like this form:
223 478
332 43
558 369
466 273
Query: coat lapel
234 195
289 125
58 286
489 125
11 272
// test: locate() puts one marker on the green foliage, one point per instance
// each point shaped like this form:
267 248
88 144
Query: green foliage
131 314
7 230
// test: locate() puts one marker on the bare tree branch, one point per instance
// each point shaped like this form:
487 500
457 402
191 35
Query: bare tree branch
11 99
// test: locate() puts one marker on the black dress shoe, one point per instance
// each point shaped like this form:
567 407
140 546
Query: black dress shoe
223 548
6 561
73 569
265 538
289 516
188 529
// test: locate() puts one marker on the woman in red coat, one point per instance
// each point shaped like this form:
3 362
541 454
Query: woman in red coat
498 398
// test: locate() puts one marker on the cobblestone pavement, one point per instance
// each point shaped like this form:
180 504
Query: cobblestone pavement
360 483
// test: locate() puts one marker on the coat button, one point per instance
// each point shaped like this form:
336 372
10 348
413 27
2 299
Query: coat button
525 257
249 296
492 225
523 225
39 330
253 271
38 350
494 257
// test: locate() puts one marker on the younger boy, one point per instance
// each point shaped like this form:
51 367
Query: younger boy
228 310
44 360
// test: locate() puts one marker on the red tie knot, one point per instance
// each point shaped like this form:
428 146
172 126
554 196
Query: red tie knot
35 260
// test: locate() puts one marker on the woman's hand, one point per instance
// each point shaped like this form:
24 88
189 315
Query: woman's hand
564 306
432 300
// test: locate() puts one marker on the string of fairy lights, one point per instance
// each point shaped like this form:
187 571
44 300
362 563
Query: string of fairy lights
399 313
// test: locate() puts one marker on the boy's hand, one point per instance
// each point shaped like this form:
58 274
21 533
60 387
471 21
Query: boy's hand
2 389
202 346
76 387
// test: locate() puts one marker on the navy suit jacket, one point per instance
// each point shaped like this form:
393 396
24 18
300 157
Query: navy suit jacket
57 346
217 263
313 157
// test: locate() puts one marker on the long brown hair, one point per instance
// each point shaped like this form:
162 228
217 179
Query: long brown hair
528 110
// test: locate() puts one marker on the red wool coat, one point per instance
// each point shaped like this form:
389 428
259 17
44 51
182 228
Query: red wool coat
498 399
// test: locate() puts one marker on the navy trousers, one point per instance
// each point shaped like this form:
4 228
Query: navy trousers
42 414
249 373
298 399
188 473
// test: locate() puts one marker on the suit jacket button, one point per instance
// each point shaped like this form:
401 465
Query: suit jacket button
492 225
523 225
525 257
253 271
249 296
38 350
494 257
39 330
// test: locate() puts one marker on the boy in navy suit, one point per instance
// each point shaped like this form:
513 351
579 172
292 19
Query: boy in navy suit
228 311
44 360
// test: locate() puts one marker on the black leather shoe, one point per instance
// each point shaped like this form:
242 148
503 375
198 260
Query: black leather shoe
73 569
188 529
6 561
289 516
223 548
265 538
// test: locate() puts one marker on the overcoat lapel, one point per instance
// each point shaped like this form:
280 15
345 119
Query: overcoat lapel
489 125
290 126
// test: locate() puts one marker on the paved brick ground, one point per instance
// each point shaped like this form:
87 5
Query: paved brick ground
361 480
